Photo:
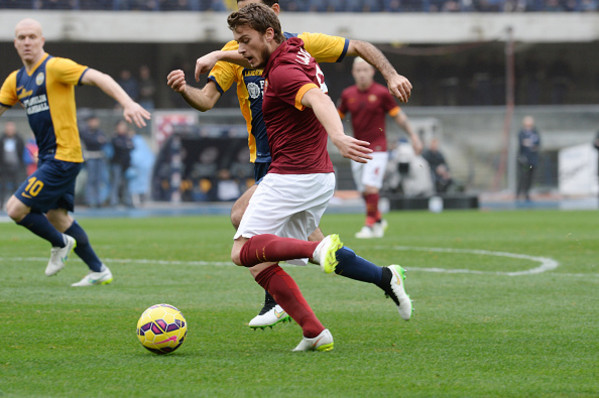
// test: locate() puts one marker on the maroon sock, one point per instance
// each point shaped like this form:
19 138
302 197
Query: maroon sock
372 208
288 295
271 248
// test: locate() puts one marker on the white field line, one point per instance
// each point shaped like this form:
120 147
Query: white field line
545 263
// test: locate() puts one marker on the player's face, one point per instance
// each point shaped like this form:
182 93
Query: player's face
29 41
363 74
252 46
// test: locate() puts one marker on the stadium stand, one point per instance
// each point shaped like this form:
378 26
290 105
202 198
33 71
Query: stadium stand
316 5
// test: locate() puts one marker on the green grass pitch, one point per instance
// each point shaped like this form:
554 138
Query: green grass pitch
506 305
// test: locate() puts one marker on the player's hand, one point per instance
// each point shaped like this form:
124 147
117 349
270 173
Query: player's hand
204 64
135 113
353 149
400 87
176 80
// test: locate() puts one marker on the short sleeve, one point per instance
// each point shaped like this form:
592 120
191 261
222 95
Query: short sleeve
290 83
389 104
224 74
325 48
65 70
8 92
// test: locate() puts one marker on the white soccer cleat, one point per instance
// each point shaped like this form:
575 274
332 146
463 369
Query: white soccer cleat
379 228
322 342
269 316
398 293
96 278
325 253
59 256
365 233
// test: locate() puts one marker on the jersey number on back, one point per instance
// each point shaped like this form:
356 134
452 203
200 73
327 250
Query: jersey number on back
303 57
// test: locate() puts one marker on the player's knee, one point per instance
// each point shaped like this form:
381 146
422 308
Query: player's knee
236 214
16 210
236 256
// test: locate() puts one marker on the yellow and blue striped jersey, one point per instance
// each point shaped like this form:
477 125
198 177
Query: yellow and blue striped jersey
48 95
250 85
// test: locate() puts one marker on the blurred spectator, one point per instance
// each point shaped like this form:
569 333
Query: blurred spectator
553 6
55 4
147 88
174 5
129 83
30 155
122 145
12 4
11 160
96 5
439 169
589 5
529 143
227 188
94 140
142 163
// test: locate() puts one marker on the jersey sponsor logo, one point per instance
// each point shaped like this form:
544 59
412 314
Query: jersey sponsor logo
39 79
22 93
372 98
36 104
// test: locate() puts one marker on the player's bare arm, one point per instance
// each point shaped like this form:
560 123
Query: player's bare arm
205 63
202 99
399 86
327 115
132 111
402 121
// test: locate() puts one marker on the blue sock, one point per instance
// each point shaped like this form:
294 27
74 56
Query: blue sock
355 267
84 249
39 225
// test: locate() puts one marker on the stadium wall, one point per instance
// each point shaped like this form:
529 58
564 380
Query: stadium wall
413 28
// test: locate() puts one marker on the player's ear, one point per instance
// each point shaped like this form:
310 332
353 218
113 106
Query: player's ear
269 34
276 8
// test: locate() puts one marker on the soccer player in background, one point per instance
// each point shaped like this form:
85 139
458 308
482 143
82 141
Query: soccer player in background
290 200
249 81
368 103
45 87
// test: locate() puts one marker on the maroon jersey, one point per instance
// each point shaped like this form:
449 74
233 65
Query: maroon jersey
298 142
368 109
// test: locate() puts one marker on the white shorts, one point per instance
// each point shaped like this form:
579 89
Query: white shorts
287 205
370 173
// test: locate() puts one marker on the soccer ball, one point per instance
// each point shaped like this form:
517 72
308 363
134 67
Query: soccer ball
161 328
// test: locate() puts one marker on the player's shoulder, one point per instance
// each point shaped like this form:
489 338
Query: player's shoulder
59 62
230 46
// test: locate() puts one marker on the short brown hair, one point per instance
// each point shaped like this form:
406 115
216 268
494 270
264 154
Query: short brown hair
258 17
269 3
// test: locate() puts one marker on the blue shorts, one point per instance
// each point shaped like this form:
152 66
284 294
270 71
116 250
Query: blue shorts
51 186
260 170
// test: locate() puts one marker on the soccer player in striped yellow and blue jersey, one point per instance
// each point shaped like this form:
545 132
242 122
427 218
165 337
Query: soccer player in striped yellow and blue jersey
45 87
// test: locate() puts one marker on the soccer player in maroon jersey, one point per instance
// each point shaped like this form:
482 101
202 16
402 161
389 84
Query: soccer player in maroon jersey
368 103
292 197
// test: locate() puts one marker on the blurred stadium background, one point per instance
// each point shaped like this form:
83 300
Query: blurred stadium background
478 67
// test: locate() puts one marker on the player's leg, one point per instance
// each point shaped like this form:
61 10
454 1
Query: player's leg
99 274
270 314
240 205
32 198
371 176
283 288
